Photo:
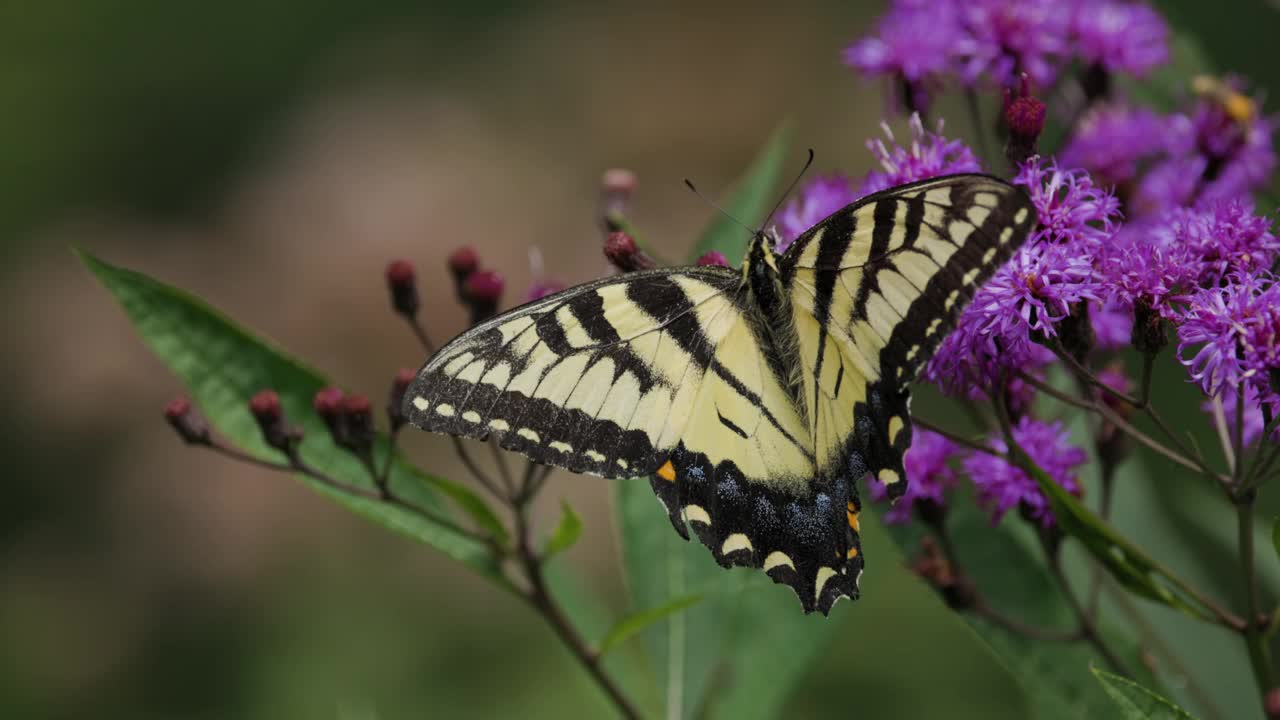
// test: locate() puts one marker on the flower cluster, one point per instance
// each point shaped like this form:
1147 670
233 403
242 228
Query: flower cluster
920 43
1146 224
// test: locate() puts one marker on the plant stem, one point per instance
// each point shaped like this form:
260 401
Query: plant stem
1088 628
991 615
953 437
541 599
1254 633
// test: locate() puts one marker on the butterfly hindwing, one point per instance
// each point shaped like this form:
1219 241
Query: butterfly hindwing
874 288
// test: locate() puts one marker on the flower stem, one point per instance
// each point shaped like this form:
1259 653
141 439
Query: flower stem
540 597
1088 628
1254 632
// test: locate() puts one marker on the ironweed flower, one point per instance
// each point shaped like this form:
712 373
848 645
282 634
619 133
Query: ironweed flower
1110 141
1002 487
1222 237
1128 37
1006 38
929 476
1230 334
1071 208
927 155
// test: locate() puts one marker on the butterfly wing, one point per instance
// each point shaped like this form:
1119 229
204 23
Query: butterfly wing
609 378
874 289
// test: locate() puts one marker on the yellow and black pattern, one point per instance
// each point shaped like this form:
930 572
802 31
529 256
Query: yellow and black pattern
754 400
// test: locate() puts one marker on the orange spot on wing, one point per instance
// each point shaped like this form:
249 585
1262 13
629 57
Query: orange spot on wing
853 520
667 472
853 553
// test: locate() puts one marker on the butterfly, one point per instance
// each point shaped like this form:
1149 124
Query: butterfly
753 399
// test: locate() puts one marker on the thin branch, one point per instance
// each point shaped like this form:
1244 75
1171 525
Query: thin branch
1088 627
542 600
1254 633
990 614
953 437
420 333
975 117
473 468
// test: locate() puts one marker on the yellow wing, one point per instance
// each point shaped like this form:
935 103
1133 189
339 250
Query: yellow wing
608 378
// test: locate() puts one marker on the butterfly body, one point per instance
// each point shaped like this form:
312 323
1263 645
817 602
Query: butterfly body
755 400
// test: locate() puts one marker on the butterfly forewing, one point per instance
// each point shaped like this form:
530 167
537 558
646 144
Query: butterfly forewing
608 378
875 288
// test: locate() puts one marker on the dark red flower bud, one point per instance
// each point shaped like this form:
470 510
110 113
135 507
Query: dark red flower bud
1024 118
265 406
328 405
403 286
462 262
616 189
358 412
1271 704
622 251
481 293
395 400
266 409
189 424
714 257
542 289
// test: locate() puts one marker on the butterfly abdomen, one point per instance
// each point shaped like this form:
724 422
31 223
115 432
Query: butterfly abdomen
775 318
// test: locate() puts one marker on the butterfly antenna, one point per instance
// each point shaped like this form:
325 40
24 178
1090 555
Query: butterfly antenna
790 188
724 212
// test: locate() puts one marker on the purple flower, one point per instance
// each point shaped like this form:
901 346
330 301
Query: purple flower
912 41
541 289
1071 208
817 199
1230 334
1138 268
928 475
1222 150
1120 36
1012 37
1024 300
1224 236
928 155
1111 140
1254 422
1002 487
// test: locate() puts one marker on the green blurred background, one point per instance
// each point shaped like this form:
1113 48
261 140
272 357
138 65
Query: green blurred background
272 156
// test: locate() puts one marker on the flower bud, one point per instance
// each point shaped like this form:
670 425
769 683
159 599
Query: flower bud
714 257
543 288
462 262
481 293
266 409
1024 117
1271 704
395 399
933 567
190 425
1076 332
403 286
328 405
622 251
358 414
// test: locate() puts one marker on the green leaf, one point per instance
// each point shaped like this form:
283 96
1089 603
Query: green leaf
1136 702
1131 566
635 622
751 198
222 365
566 533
